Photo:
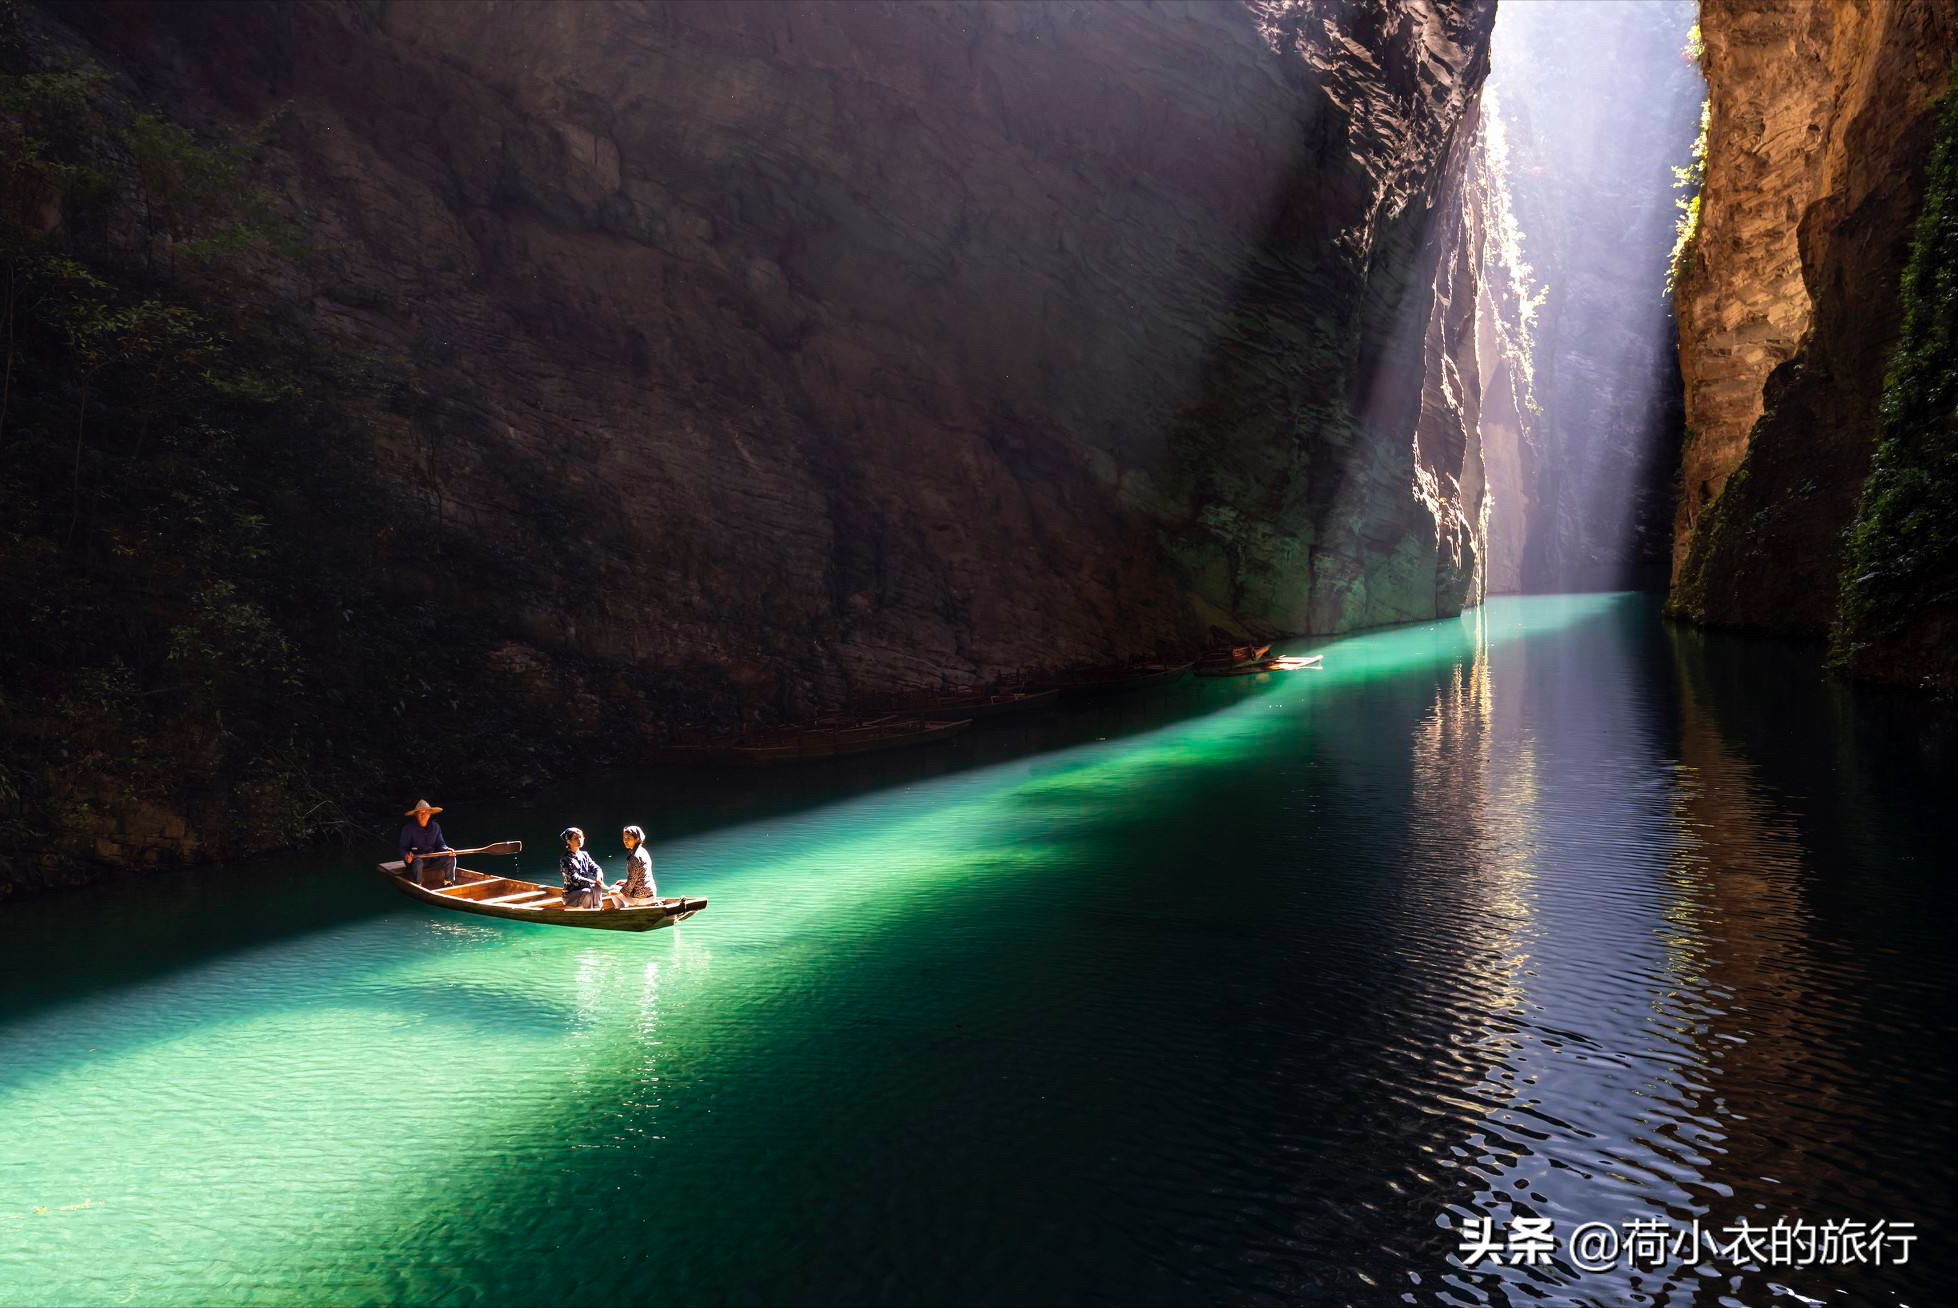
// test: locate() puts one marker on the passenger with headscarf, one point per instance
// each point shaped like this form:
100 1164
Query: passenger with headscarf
584 880
638 890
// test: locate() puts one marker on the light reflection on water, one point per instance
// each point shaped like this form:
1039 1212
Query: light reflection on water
1254 990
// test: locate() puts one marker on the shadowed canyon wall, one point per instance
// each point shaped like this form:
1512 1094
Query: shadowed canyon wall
1821 125
1012 334
749 358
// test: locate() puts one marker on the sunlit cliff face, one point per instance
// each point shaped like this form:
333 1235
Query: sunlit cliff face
1800 321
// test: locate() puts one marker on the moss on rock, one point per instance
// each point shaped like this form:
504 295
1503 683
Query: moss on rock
1900 571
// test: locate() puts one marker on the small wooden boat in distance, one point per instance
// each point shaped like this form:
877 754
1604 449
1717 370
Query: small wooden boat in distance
1233 661
526 901
1240 669
1229 656
1271 663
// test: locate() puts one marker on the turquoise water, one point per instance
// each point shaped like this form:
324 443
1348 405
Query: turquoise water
1247 990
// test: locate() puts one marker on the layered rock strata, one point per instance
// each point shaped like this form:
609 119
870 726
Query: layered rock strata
1821 121
1013 333
785 353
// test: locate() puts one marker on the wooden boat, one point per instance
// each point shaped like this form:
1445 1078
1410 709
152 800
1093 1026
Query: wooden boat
526 901
1276 663
1229 656
1231 661
951 705
1240 669
829 738
1117 677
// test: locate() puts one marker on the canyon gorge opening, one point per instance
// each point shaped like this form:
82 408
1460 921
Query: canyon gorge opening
631 369
1258 648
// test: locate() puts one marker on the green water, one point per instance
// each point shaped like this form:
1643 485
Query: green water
1247 990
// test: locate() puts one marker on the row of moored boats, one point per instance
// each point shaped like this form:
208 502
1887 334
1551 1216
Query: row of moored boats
923 717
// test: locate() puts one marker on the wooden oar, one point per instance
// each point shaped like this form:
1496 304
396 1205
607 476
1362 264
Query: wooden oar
500 847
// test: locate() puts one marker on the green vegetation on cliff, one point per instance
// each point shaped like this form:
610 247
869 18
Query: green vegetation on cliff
1691 178
228 591
1901 555
1728 530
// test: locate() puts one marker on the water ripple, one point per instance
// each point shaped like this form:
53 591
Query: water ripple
1246 993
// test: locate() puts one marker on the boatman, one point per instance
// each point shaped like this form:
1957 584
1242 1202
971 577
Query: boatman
422 841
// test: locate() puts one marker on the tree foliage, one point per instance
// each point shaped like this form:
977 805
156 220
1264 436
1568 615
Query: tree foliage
1690 178
231 609
155 438
1901 555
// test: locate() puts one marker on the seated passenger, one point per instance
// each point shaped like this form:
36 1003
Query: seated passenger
584 880
638 890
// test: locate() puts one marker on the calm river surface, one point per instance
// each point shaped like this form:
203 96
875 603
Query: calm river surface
1251 990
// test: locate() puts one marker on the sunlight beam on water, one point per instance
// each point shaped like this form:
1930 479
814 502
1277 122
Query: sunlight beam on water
362 1076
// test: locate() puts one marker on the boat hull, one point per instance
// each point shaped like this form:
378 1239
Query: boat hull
1275 663
1212 662
547 910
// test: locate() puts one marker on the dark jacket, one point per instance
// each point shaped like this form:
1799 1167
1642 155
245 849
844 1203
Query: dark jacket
422 839
583 879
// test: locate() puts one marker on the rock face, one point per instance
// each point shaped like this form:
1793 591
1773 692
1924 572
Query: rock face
883 342
1597 102
785 353
1821 120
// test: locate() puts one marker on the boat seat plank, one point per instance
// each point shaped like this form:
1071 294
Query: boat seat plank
520 895
474 891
